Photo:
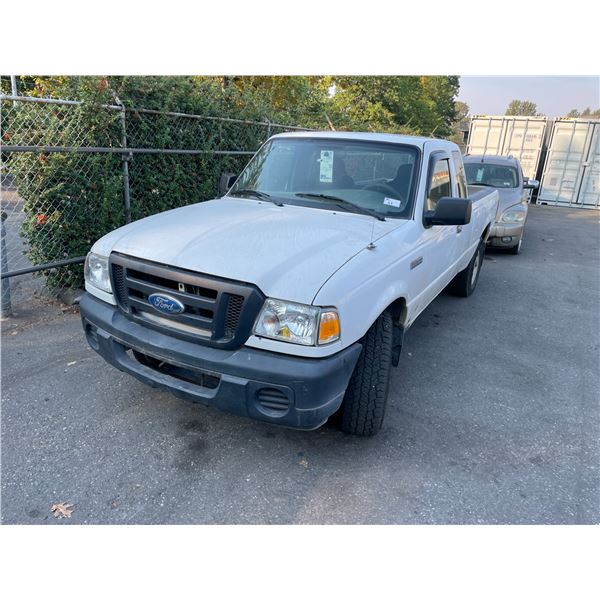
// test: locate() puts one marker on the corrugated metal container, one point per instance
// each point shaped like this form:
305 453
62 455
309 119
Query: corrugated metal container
521 137
572 169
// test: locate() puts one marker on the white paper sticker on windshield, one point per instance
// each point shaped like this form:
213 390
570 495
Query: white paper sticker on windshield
326 166
392 202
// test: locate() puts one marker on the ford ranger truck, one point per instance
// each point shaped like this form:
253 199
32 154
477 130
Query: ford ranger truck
287 299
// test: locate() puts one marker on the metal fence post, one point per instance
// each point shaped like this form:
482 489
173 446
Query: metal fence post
125 158
13 85
5 306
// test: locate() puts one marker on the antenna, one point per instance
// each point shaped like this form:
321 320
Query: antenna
371 245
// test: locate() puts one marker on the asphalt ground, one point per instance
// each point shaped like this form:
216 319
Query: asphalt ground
493 417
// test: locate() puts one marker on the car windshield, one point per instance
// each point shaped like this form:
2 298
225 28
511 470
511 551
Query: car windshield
498 176
366 177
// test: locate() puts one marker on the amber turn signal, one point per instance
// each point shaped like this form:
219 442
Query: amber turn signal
329 327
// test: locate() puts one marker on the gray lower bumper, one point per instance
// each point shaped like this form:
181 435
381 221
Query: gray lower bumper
282 389
505 236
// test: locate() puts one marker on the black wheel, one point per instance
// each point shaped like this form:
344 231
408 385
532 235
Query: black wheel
364 404
516 249
464 283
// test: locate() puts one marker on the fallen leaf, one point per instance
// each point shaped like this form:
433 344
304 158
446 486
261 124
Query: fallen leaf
62 510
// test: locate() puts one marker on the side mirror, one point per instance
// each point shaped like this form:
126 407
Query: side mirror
226 181
449 211
531 184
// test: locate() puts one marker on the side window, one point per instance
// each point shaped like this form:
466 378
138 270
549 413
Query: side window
461 179
440 184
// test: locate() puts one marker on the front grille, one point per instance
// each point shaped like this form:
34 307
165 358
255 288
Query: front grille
216 312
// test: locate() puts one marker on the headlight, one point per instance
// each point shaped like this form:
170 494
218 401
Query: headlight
96 272
512 216
297 323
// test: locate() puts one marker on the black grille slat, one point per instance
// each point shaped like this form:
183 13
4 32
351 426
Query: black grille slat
234 311
216 312
170 284
120 286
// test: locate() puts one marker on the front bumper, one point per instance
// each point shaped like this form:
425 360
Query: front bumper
283 389
505 235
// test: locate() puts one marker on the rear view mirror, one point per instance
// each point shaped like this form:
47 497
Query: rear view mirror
531 184
449 211
226 182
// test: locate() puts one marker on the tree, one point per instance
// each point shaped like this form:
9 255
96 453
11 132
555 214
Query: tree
442 90
585 114
462 111
522 108
460 127
409 104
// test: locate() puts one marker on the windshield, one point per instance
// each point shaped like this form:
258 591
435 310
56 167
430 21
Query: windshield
376 177
488 174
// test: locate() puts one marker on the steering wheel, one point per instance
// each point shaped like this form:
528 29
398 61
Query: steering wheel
386 189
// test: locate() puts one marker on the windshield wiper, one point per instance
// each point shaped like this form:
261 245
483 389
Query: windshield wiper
256 194
343 203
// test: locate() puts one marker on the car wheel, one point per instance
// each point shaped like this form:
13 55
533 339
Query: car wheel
464 283
516 249
363 408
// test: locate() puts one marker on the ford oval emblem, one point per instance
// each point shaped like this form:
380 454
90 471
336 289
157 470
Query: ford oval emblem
166 304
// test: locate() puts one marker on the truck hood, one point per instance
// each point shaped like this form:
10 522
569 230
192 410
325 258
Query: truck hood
288 252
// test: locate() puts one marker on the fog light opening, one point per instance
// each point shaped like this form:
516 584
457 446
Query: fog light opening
91 334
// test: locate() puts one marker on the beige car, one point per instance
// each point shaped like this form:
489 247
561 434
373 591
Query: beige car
504 174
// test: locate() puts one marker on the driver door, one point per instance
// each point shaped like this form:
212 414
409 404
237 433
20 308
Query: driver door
439 242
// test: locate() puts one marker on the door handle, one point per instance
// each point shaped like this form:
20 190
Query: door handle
458 228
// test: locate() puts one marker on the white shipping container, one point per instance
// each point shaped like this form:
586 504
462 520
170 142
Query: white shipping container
572 171
520 137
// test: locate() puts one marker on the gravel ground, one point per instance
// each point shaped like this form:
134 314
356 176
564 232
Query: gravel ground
493 418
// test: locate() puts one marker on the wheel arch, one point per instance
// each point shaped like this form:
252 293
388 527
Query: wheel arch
486 232
398 312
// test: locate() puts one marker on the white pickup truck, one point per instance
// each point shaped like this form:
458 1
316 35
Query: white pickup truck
287 299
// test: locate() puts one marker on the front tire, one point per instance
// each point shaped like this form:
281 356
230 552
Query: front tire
464 283
516 249
363 408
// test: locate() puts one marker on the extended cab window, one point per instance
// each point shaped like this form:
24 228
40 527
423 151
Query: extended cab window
440 186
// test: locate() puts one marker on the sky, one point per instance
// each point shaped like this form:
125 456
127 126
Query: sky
554 96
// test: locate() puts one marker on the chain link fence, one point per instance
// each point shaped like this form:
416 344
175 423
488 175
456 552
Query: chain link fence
72 171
